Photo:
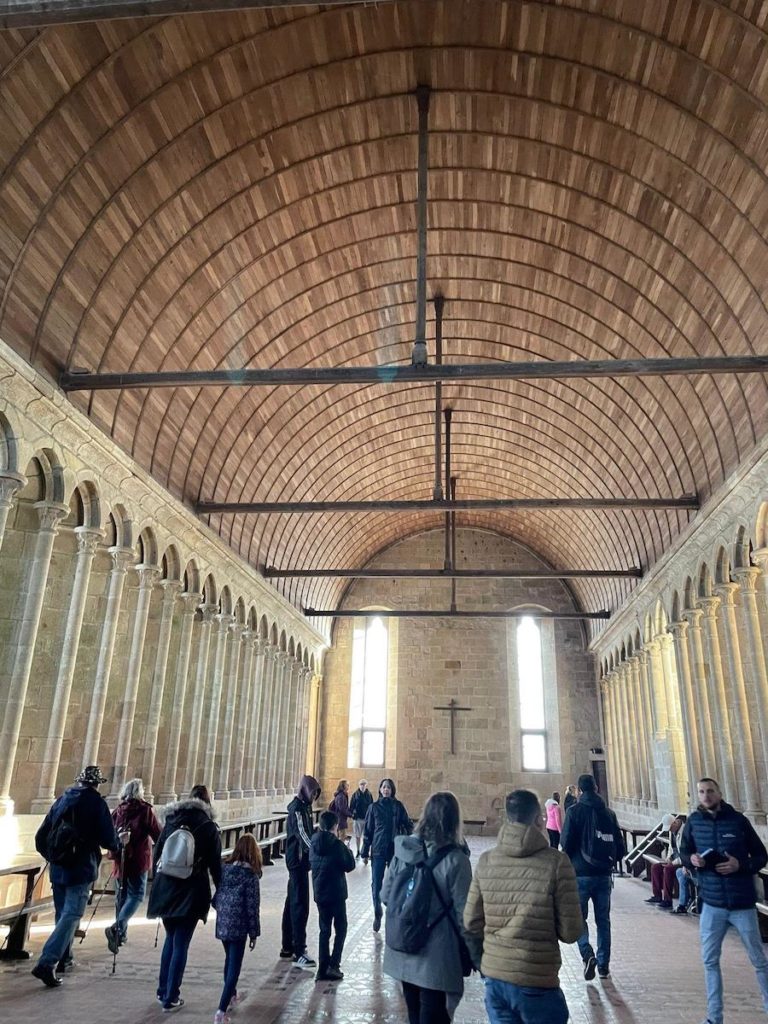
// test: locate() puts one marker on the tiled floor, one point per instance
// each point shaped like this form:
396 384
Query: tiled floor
657 974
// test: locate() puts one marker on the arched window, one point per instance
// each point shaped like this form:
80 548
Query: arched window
368 698
530 674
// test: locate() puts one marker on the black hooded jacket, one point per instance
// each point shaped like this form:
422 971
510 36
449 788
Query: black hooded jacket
187 897
572 836
330 860
299 827
386 818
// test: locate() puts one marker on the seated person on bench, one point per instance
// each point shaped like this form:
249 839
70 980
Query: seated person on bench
663 875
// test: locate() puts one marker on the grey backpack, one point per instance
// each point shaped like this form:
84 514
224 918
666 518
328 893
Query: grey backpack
178 856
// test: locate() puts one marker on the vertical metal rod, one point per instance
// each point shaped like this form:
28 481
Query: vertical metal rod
448 413
453 546
439 301
419 356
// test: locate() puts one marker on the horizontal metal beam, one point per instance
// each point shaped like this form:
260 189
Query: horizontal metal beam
368 613
270 573
688 501
541 369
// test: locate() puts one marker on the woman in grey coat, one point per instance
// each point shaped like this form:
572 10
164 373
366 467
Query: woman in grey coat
432 979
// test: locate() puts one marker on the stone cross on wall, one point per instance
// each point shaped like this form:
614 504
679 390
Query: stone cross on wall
453 707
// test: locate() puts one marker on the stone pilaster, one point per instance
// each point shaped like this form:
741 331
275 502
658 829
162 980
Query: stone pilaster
191 776
266 721
223 622
190 603
49 514
171 590
701 692
643 750
753 654
243 715
643 665
690 729
291 722
718 699
278 730
87 542
250 763
224 751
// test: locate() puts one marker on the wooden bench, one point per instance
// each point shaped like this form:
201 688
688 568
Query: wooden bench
20 914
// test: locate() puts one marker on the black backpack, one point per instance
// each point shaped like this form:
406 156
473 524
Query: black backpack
408 905
65 846
598 844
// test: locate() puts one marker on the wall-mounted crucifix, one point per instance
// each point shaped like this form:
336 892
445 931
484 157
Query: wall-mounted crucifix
453 707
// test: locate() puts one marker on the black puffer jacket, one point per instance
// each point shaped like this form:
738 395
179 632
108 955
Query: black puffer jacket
385 820
359 804
187 897
726 831
330 860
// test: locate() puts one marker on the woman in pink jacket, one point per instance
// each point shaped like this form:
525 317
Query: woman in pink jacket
554 820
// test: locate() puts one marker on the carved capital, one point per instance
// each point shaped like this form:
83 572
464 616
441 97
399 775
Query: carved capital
693 617
171 590
147 575
236 631
87 540
10 483
223 622
50 513
121 559
727 591
709 606
747 578
679 630
190 602
208 612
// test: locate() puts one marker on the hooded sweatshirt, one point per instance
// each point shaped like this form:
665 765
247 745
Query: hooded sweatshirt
386 818
522 900
330 860
299 827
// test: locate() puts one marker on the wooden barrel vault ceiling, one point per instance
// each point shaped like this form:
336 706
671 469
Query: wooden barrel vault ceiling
238 189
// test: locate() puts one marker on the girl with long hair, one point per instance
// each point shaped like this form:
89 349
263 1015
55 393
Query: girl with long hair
237 902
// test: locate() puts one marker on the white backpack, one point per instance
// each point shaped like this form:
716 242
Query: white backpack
178 856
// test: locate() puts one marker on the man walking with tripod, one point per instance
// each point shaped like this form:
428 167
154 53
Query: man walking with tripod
70 838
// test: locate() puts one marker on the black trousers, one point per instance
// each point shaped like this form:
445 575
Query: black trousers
425 1005
296 912
332 916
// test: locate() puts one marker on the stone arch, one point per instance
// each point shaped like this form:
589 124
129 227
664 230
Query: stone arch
704 586
291 649
191 578
659 618
638 641
761 526
648 628
263 628
689 594
225 601
209 591
676 607
147 547
119 528
44 478
9 449
312 662
722 567
252 620
239 612
273 635
283 642
742 549
171 564
85 505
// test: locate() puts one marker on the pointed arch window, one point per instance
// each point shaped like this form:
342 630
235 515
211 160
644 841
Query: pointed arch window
530 673
368 698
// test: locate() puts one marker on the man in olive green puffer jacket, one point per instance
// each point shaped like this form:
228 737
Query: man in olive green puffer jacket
522 900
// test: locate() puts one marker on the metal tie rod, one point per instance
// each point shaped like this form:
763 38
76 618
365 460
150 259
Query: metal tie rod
688 501
367 613
270 573
403 374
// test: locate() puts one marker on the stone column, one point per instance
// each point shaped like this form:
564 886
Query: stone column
709 761
311 740
251 760
49 513
223 622
121 559
243 716
302 705
292 716
644 756
621 782
147 576
87 542
277 731
718 700
265 725
198 697
656 686
643 667
10 483
171 589
224 753
628 730
690 728
754 655
190 602
745 751
675 738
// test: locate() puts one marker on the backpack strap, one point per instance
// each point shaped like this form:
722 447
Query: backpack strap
447 907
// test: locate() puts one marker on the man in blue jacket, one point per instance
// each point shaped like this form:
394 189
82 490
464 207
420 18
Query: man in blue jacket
723 847
71 838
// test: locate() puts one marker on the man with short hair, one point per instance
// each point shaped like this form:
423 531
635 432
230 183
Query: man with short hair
592 839
721 844
522 900
71 838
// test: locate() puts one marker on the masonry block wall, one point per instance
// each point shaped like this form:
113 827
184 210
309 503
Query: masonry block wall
433 660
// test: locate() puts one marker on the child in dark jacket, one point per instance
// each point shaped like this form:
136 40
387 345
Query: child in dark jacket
237 902
330 860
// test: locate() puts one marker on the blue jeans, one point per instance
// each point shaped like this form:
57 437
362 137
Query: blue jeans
683 884
378 867
598 889
69 902
178 935
714 923
129 899
234 951
506 1003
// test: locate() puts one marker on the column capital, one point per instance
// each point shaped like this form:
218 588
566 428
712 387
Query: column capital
709 606
208 611
88 538
236 631
190 600
760 555
693 617
727 591
247 635
260 646
147 575
171 590
49 514
663 640
121 559
224 621
651 647
679 629
10 483
746 577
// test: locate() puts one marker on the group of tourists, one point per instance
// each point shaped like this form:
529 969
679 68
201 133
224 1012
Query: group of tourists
527 895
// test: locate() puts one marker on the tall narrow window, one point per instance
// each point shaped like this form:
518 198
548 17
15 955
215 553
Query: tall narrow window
531 690
368 699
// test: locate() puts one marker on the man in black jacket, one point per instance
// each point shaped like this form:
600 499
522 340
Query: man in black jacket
592 839
330 860
299 830
726 852
83 812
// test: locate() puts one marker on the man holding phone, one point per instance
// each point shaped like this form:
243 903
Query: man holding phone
722 846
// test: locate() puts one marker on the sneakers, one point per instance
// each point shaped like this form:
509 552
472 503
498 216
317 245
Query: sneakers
47 975
220 1017
65 964
664 905
334 974
679 910
174 1006
653 899
113 938
304 962
590 966
286 954
603 972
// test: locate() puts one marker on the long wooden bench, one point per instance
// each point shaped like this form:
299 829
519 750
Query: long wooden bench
20 915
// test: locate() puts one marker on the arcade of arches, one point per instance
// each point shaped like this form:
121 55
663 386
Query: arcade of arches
227 190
